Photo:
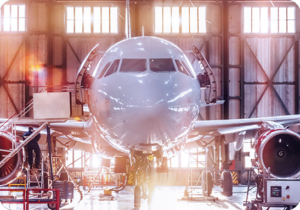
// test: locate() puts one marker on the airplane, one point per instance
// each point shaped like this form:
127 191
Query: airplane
144 100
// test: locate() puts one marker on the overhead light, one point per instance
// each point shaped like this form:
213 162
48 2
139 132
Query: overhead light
3 2
297 2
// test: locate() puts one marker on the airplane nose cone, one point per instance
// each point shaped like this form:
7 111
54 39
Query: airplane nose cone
147 109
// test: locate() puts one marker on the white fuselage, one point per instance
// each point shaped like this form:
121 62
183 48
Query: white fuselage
147 100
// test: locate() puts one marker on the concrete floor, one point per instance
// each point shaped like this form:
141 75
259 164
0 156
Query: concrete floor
165 198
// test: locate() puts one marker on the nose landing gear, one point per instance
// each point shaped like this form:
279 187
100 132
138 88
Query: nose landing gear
137 197
144 188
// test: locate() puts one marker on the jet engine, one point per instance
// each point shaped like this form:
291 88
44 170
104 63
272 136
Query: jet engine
10 170
279 152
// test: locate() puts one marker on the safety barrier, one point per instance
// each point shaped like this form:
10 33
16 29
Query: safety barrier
15 201
23 183
55 200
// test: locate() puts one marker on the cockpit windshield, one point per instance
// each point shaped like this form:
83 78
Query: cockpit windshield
182 68
133 65
113 68
104 70
162 65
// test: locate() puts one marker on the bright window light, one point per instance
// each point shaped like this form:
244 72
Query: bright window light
185 19
14 18
21 11
96 160
105 19
21 17
87 19
202 19
282 20
184 159
247 19
291 13
158 19
175 162
6 18
14 11
175 19
77 155
264 20
282 26
291 26
78 19
114 20
274 19
193 20
255 19
291 20
84 19
70 158
167 19
70 13
70 19
97 20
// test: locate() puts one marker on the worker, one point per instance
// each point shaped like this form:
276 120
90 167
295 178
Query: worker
33 145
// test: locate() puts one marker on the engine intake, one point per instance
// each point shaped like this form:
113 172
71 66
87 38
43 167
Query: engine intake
10 170
280 151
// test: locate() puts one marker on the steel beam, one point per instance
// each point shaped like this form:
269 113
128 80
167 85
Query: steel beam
226 58
242 80
256 59
49 46
14 58
296 76
78 59
10 98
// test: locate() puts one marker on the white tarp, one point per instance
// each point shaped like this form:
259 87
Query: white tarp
51 105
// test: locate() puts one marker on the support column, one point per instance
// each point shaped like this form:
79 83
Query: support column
50 152
226 58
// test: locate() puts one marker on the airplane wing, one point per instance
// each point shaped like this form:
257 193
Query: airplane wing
210 128
68 134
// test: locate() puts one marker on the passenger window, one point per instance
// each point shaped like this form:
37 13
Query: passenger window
181 68
113 68
133 65
104 70
162 65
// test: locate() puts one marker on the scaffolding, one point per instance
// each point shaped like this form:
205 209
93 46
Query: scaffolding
202 180
35 176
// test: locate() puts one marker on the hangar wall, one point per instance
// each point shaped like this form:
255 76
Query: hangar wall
257 74
263 68
260 77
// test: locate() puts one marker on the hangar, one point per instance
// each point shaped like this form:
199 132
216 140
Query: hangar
149 104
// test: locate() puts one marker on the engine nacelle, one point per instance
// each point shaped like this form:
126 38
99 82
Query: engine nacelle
279 150
10 170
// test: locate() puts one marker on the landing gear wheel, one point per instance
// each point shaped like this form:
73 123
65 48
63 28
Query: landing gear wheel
53 205
252 208
207 183
151 192
227 184
137 197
